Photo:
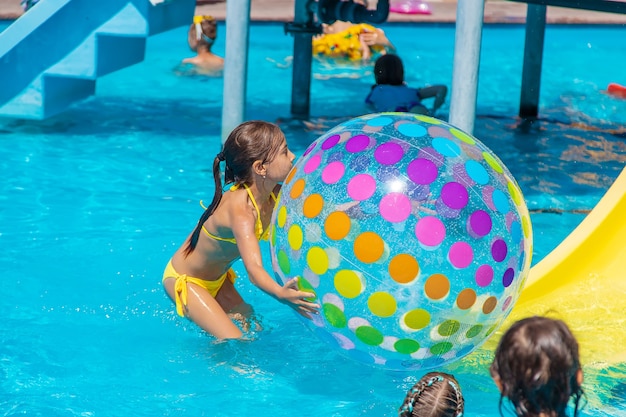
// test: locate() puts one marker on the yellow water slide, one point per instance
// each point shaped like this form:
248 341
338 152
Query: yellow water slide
583 282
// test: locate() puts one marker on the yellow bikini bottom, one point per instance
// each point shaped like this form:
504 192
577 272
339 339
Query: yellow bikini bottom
180 287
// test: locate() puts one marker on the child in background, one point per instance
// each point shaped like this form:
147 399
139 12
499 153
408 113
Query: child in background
199 277
537 368
390 93
201 36
436 394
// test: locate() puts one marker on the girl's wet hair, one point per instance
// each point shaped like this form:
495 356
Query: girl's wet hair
537 364
388 70
436 394
249 142
202 32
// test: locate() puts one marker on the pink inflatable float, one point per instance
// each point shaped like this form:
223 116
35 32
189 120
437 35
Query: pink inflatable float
410 7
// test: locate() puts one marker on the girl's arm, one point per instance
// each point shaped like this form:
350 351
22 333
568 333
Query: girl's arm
244 222
437 91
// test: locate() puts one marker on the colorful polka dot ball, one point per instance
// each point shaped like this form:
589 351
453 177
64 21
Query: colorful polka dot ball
413 235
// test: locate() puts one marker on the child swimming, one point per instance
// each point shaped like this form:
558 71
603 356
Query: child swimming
537 368
199 278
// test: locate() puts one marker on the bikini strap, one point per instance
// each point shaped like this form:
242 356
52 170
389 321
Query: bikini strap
259 223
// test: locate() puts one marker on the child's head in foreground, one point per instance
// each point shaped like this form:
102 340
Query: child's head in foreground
537 367
436 394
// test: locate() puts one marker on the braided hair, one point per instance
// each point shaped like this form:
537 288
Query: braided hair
436 394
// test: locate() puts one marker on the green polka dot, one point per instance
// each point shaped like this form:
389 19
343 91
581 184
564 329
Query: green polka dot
515 193
474 331
462 136
417 319
449 327
406 346
283 262
491 330
334 315
428 119
304 285
493 163
369 335
441 348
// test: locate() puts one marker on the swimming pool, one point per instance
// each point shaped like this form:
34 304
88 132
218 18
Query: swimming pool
95 200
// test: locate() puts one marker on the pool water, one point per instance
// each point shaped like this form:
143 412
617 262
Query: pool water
94 202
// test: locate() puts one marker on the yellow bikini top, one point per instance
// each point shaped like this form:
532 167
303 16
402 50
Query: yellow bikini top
259 232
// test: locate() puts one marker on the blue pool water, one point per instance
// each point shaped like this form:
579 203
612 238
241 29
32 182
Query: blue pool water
94 201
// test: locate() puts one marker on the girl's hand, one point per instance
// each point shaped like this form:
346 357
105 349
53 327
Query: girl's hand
298 300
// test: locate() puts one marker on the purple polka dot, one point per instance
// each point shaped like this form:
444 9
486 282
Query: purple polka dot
361 187
461 255
309 149
388 153
428 152
507 278
430 231
484 275
479 224
422 171
360 163
312 164
357 143
333 172
330 142
395 207
499 250
454 195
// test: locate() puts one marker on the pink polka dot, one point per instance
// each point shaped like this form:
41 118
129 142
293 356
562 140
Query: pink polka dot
484 275
488 197
312 164
333 172
361 187
388 153
461 255
507 303
439 132
430 231
395 207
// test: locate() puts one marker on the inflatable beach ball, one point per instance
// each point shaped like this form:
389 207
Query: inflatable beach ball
413 235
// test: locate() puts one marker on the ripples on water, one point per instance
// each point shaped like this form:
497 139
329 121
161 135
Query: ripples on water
95 200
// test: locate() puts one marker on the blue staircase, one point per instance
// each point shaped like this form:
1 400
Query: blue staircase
51 57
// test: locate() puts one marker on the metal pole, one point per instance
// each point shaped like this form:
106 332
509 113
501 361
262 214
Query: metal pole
235 65
302 61
533 58
467 40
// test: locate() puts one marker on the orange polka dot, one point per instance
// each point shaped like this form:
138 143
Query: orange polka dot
312 205
403 268
290 176
297 188
368 247
337 225
437 286
489 305
466 299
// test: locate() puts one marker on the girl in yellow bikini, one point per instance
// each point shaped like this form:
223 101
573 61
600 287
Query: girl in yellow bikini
199 277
